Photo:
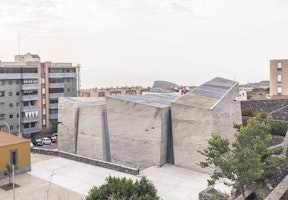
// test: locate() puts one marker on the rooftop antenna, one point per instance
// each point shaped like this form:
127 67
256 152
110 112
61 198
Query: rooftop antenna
18 42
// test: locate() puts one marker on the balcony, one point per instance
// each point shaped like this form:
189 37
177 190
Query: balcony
29 119
56 85
53 116
29 87
19 76
31 130
63 75
53 106
55 95
29 108
29 97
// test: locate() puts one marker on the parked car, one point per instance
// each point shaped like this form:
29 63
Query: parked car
53 138
46 140
37 141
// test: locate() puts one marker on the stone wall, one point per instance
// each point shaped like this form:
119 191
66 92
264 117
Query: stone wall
278 108
86 160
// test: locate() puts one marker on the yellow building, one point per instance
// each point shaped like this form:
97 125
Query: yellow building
13 148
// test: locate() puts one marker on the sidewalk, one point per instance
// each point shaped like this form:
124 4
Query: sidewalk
72 180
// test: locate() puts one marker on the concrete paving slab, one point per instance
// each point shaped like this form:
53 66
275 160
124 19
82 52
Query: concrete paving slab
72 180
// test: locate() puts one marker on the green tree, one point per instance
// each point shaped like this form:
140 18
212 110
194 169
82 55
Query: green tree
248 161
8 172
123 188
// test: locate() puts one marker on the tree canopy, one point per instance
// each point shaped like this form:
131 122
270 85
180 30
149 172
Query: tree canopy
247 161
123 188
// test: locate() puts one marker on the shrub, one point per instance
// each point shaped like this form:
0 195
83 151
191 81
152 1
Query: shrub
247 112
260 114
220 196
278 128
122 188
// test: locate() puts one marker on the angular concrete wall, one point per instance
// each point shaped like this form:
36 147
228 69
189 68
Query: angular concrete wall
91 135
68 115
137 132
82 129
196 115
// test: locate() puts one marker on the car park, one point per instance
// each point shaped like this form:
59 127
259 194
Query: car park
46 140
37 141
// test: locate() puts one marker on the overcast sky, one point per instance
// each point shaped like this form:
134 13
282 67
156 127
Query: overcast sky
135 42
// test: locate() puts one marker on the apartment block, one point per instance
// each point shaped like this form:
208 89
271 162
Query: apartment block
29 92
279 79
102 92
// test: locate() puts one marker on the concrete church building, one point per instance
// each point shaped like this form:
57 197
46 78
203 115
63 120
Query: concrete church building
151 130
81 126
138 129
208 108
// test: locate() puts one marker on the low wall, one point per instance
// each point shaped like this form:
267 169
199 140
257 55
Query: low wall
280 192
99 163
277 107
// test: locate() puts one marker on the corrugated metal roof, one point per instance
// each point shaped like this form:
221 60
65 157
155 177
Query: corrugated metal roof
143 100
214 89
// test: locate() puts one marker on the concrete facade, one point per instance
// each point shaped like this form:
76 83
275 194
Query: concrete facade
138 128
151 130
81 129
209 108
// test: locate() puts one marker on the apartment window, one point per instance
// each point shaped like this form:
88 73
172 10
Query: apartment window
279 78
17 82
2 82
17 93
17 104
2 105
68 89
10 94
10 116
2 116
279 90
10 82
2 93
10 105
17 115
279 65
11 128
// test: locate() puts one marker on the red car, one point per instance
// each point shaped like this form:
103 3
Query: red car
53 138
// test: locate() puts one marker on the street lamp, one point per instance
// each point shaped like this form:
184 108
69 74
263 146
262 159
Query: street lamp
7 126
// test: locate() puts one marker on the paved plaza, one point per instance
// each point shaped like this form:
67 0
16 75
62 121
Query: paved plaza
56 178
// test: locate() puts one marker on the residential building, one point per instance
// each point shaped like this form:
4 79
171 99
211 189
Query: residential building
102 92
14 150
29 92
279 79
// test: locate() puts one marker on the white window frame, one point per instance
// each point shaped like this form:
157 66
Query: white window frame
279 65
279 90
279 78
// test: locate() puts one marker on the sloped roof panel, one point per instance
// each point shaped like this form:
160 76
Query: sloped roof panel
143 100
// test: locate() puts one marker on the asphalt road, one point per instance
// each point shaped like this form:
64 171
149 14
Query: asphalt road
49 146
